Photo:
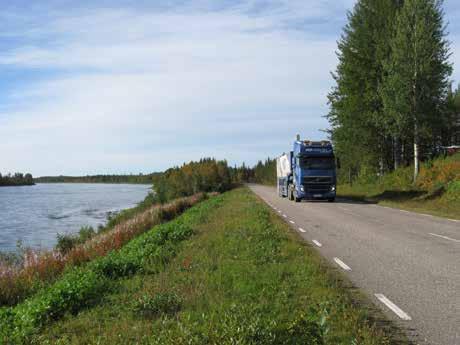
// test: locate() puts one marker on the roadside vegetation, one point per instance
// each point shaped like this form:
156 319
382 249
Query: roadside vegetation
436 191
228 271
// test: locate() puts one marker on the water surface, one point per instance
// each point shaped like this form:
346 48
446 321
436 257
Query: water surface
35 214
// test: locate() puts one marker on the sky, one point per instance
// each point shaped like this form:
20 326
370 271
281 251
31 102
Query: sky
122 86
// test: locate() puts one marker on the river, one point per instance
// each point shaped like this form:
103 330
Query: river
34 215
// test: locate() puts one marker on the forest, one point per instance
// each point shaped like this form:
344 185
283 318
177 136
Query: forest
393 104
17 179
209 175
135 179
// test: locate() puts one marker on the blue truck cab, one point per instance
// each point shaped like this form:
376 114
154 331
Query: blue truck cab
310 173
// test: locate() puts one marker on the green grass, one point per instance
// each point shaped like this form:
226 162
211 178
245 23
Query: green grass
436 192
243 277
411 200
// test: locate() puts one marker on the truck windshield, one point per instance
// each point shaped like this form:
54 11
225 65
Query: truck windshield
317 163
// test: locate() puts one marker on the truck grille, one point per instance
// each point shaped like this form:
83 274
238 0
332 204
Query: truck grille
317 184
317 180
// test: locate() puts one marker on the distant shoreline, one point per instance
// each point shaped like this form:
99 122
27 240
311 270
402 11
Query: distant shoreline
88 182
107 179
17 185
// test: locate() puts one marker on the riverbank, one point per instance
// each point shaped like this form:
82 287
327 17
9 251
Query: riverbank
236 274
38 269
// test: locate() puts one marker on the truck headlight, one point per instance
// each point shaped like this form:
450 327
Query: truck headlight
302 189
333 189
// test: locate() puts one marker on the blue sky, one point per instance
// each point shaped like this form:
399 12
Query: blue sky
126 86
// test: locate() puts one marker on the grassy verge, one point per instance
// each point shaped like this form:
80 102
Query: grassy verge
436 191
242 278
411 200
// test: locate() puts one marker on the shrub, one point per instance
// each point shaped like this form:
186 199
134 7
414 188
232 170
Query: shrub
158 304
439 173
66 242
453 191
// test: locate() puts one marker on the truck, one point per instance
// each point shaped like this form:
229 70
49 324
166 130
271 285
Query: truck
308 172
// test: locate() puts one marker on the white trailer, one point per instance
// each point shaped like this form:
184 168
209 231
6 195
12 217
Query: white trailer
283 171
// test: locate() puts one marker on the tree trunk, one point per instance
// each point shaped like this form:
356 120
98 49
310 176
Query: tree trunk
396 153
416 152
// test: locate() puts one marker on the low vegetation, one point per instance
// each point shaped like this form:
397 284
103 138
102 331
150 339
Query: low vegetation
227 271
436 191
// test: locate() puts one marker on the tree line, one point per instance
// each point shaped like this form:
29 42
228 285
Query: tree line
393 104
17 179
135 179
209 175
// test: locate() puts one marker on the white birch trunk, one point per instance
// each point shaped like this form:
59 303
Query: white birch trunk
416 152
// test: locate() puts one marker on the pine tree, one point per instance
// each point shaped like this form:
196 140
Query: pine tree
415 87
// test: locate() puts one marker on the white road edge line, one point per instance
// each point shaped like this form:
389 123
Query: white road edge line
284 216
426 215
317 243
301 230
445 237
453 220
292 222
342 264
393 307
279 211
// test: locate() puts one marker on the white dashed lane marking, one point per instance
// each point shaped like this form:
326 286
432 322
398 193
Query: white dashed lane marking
394 308
342 264
317 243
301 230
292 222
445 237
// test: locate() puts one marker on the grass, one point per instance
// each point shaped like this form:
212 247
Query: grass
242 278
412 200
436 192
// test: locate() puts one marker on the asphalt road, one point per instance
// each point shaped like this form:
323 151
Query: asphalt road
407 263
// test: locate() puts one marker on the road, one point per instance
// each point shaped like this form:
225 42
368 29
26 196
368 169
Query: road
407 263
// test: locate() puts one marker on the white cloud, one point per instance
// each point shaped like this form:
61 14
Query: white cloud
143 90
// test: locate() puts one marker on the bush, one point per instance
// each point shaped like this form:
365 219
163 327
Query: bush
158 304
66 242
439 173
453 191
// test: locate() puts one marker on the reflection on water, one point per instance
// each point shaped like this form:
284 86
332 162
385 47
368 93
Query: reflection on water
35 214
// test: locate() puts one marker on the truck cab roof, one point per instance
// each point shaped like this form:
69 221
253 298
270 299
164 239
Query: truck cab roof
321 148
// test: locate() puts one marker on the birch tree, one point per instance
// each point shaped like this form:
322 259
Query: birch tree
416 81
